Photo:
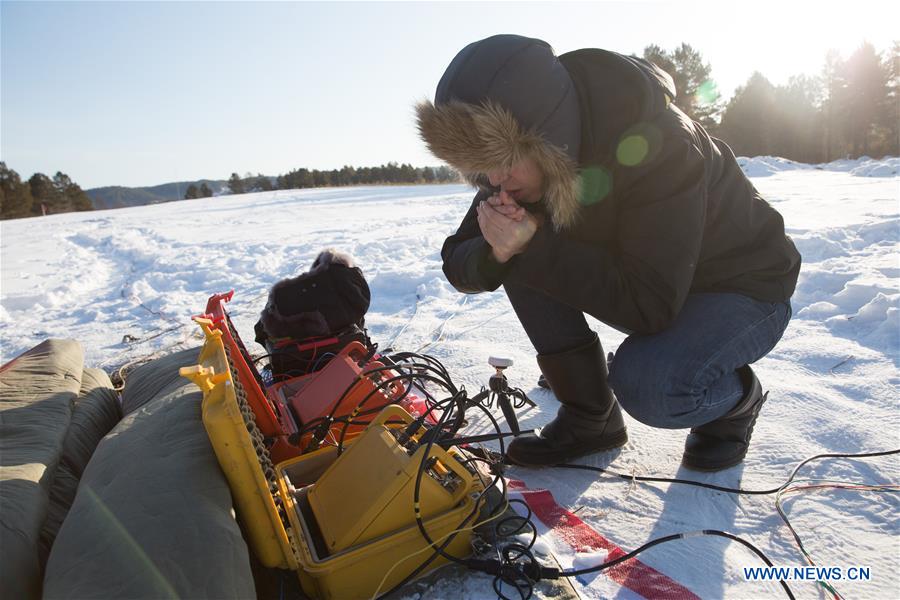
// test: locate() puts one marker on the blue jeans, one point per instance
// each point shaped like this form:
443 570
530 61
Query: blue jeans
681 377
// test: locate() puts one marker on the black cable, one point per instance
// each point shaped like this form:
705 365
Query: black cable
517 557
473 439
719 488
439 378
378 387
362 374
439 549
526 521
262 357
716 488
650 479
522 574
421 470
670 538
404 356
418 373
314 424
362 402
527 573
462 401
401 361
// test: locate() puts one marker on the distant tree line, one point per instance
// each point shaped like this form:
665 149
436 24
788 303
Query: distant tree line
40 195
851 109
391 173
249 183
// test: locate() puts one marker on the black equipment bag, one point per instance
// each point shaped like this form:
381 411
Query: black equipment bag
314 315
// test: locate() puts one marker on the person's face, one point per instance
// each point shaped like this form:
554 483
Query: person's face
524 181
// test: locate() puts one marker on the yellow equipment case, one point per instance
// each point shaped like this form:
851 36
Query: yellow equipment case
241 451
382 467
344 521
388 544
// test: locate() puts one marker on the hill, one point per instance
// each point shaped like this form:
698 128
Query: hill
116 196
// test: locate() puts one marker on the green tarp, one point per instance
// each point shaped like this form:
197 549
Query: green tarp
37 393
96 412
153 515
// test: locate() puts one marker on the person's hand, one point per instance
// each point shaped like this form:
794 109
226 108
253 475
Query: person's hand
505 205
508 234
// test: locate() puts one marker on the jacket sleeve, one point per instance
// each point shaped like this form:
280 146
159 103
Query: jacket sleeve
468 263
640 281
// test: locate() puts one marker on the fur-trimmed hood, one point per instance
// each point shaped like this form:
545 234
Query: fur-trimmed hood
477 124
475 139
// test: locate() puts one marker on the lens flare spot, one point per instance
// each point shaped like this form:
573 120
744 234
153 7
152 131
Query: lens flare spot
632 150
707 93
596 184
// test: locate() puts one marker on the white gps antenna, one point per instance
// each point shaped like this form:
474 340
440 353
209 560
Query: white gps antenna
500 363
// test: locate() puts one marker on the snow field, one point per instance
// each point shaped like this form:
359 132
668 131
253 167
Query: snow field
833 380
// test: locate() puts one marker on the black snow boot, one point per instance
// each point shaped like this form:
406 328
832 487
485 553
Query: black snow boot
589 419
542 380
723 443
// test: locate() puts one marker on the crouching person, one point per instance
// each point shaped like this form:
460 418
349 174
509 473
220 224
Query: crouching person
599 196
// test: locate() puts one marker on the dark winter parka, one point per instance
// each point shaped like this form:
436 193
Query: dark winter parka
652 210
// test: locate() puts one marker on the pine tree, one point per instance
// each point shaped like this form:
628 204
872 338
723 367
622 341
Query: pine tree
348 175
321 178
235 184
892 102
796 122
44 194
15 196
748 119
67 195
407 173
833 105
61 183
445 174
263 183
867 91
78 200
205 192
696 92
41 186
192 192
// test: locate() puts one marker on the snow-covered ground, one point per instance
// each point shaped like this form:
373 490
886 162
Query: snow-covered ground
138 274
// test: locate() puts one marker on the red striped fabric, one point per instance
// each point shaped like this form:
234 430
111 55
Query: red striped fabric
632 574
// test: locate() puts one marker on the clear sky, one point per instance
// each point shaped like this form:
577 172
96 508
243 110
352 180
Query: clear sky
127 93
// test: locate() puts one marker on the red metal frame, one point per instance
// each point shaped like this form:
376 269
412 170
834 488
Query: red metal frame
274 420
